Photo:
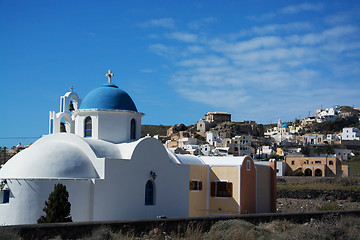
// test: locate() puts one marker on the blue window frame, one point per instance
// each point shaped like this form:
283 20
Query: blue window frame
149 193
5 196
88 127
132 129
51 126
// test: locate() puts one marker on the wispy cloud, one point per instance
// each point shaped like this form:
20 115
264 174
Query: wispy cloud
161 49
291 66
199 24
293 9
275 28
182 36
162 22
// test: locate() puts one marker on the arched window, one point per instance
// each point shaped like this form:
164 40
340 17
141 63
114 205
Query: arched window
149 193
51 126
88 127
132 129
62 125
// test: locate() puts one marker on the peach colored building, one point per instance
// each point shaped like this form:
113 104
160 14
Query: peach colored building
230 185
317 166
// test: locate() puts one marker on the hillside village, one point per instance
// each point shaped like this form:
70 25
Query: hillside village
313 146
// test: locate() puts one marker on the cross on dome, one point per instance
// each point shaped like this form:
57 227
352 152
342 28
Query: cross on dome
109 75
71 88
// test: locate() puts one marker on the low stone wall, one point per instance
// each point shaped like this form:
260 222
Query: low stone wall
352 196
78 230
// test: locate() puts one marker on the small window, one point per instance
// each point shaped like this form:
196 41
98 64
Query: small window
195 185
51 126
132 129
248 165
4 196
149 193
221 189
331 163
292 162
317 162
88 127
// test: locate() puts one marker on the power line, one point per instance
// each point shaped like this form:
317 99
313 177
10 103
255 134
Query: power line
19 137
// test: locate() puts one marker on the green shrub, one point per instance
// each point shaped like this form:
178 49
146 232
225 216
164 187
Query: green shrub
330 206
57 208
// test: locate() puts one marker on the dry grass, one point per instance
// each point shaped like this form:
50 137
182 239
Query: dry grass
327 228
350 184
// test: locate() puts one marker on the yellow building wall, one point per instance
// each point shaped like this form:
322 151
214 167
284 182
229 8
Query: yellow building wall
263 189
197 199
223 205
330 166
248 187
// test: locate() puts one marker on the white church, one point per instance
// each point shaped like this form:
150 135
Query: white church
94 148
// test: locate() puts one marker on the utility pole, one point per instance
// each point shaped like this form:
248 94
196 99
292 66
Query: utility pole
4 155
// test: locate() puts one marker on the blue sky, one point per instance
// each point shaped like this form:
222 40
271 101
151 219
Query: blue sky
258 60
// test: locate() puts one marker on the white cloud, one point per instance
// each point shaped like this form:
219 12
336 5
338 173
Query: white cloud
161 49
335 33
162 22
291 66
273 28
293 9
198 24
196 49
204 61
182 36
223 99
244 46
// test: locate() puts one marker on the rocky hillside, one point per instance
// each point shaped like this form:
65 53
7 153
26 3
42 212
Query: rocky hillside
154 130
232 129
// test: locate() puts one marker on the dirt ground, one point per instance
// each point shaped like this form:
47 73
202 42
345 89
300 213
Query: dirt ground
310 205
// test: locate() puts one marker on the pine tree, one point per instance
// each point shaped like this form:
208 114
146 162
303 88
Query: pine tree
57 207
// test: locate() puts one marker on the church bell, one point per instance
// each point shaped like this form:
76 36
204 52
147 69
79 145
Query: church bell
71 106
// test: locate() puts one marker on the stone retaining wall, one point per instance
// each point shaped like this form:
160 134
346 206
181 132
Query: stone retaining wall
78 230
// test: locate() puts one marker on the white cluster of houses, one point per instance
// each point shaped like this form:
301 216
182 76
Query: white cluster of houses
322 115
283 134
215 145
347 134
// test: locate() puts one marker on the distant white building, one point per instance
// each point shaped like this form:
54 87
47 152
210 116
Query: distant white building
187 141
213 138
332 138
205 149
264 152
281 134
350 134
329 114
343 153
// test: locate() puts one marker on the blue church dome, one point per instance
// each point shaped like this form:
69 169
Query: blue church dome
285 126
108 96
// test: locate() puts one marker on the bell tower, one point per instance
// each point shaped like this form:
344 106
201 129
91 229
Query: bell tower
63 121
